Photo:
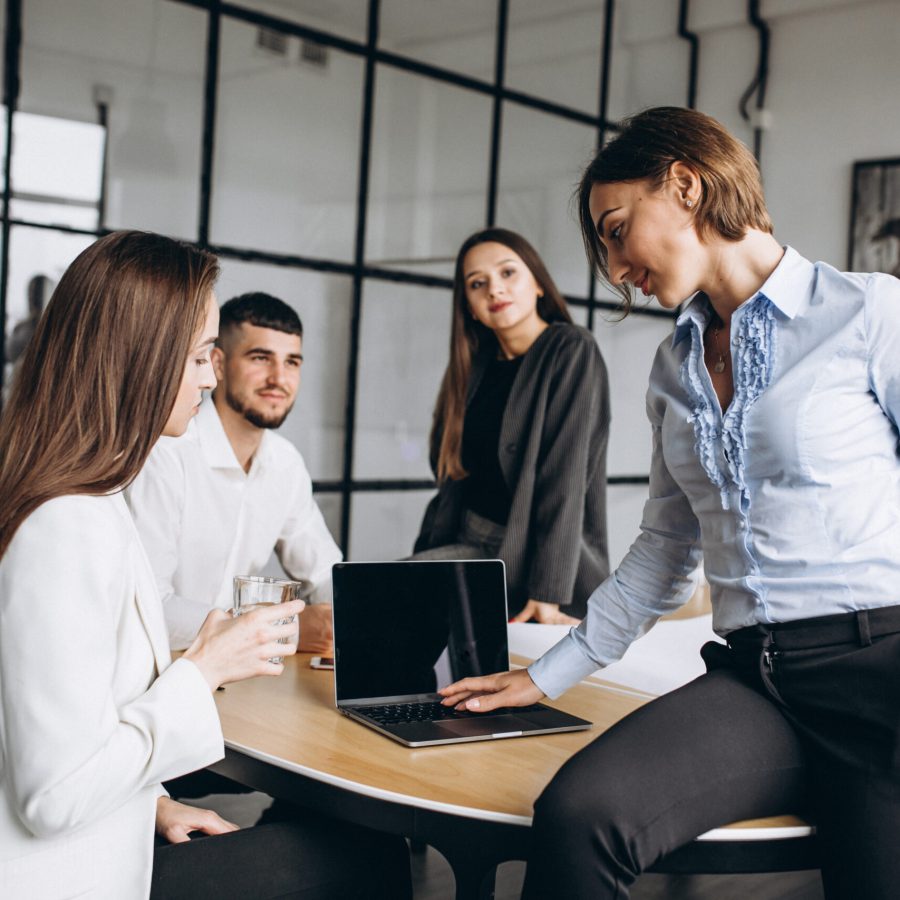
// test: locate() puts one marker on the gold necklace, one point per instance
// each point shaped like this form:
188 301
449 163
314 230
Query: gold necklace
719 364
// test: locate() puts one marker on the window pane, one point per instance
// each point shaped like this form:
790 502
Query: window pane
37 259
428 185
330 504
553 50
624 508
385 524
404 346
287 149
57 170
67 215
579 315
2 133
460 35
316 426
40 166
649 61
146 57
3 106
628 347
542 158
346 18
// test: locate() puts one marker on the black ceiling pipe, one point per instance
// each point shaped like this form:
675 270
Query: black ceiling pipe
760 79
694 42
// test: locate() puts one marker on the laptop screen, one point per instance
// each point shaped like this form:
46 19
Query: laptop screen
410 627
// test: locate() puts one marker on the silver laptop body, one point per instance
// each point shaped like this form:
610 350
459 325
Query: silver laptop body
404 629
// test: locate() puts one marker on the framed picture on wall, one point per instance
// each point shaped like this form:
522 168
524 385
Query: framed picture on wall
875 217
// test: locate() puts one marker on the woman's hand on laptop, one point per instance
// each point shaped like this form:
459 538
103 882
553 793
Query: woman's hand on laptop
489 692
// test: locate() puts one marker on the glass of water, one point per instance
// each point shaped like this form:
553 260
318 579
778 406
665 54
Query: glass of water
253 591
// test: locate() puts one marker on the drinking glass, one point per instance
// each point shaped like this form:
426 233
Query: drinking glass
253 591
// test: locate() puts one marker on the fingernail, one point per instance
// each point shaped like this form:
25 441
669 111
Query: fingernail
474 703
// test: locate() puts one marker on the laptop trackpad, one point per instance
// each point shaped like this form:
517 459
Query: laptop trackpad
486 725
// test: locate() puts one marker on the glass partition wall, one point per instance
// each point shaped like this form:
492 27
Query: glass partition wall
335 154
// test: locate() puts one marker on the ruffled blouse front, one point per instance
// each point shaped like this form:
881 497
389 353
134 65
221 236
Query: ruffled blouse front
752 360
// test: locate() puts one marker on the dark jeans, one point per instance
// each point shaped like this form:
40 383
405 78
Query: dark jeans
801 718
478 538
202 782
309 858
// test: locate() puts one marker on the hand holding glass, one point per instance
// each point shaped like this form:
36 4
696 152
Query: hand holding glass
254 591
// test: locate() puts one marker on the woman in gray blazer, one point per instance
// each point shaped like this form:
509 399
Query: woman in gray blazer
519 437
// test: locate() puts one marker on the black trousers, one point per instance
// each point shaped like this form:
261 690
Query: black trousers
801 717
308 858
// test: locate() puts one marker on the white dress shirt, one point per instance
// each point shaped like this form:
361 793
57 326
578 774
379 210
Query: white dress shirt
93 713
203 520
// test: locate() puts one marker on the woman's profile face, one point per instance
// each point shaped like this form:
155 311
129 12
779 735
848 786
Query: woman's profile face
650 238
501 291
198 374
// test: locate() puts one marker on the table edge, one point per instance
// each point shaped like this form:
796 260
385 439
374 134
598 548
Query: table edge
738 835
365 790
724 833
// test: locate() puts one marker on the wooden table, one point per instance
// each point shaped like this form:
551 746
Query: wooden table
472 802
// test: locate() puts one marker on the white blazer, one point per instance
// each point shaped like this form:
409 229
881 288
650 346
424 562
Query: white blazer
93 713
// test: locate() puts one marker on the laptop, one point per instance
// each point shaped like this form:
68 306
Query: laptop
402 630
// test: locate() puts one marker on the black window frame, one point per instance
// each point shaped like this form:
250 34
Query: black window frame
358 270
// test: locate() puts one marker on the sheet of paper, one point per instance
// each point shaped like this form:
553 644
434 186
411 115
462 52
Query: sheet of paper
665 658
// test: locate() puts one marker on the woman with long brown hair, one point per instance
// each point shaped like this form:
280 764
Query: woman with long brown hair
94 714
775 408
520 431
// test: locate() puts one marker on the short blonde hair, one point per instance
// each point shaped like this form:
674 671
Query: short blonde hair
731 200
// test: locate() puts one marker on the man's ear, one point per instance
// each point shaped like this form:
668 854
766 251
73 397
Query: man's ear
217 356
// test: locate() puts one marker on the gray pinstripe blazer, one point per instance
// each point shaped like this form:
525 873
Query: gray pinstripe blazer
552 449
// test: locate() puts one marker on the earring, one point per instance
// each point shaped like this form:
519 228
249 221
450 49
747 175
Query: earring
688 202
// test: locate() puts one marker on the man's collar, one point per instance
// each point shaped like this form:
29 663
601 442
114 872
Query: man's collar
787 288
214 442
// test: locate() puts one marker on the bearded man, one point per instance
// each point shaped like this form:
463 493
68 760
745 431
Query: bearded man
216 502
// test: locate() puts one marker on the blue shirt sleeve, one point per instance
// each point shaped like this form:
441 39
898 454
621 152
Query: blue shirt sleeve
655 577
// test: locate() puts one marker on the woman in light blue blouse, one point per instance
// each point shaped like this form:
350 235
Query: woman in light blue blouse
775 408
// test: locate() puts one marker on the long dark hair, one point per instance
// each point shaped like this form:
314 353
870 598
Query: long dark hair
101 374
731 198
468 336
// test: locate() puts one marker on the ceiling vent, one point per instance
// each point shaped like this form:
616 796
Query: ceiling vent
272 42
313 54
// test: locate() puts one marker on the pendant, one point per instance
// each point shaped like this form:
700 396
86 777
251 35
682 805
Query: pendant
719 367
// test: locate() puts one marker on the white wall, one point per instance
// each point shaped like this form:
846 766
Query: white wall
833 70
833 101
833 73
285 172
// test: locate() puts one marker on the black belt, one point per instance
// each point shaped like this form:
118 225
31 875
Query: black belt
844 628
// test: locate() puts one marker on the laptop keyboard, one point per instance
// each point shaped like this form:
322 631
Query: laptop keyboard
430 711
